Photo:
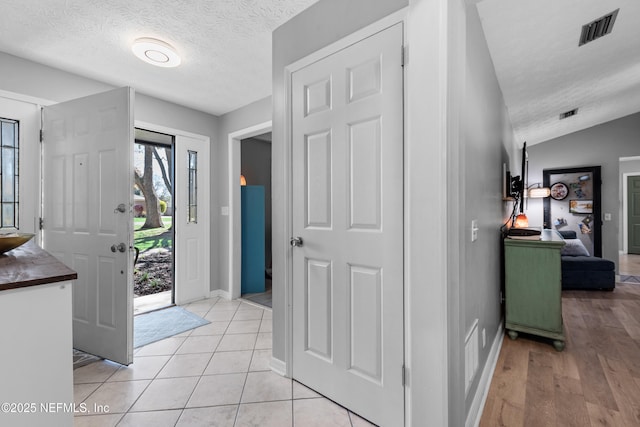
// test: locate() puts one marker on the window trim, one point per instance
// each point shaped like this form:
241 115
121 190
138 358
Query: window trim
15 200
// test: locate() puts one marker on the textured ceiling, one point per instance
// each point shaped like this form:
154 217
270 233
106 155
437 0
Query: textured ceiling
542 72
225 45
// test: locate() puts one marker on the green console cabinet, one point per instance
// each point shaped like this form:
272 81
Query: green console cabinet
533 287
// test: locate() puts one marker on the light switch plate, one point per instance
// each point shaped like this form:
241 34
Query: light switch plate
607 217
224 210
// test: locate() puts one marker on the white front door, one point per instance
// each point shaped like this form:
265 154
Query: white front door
347 154
192 218
87 202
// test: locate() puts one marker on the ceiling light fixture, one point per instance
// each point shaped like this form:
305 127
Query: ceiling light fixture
156 52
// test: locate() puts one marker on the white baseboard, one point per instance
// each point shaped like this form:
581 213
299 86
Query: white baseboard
279 367
477 406
219 293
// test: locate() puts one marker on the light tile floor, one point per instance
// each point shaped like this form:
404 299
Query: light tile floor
215 375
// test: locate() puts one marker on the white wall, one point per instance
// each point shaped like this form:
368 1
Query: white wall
600 145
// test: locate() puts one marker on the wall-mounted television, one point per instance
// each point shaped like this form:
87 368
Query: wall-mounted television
581 206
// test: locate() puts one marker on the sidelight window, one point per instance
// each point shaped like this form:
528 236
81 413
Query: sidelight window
9 173
193 187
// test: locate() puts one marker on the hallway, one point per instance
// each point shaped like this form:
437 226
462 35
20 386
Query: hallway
629 265
594 381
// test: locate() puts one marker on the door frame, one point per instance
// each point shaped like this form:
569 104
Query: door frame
36 210
596 172
173 217
625 208
206 291
286 367
235 208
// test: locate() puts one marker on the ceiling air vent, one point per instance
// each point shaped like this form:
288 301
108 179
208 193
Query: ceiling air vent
598 28
569 113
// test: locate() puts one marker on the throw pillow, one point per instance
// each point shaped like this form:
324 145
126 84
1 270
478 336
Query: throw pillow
574 247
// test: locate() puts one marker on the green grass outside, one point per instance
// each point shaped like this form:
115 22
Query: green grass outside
139 222
154 237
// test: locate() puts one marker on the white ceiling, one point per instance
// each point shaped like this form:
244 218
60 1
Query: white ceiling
225 45
543 72
226 52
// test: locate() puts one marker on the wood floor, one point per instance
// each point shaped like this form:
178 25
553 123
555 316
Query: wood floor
595 381
629 264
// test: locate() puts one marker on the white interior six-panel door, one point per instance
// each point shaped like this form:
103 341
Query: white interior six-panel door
347 154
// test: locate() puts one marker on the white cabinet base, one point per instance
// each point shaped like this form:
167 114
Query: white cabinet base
36 360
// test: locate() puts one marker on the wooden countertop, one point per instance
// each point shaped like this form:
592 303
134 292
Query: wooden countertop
30 265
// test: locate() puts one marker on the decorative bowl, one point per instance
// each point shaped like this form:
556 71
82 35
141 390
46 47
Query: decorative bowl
13 240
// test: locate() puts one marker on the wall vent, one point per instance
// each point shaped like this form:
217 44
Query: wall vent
569 113
471 356
598 28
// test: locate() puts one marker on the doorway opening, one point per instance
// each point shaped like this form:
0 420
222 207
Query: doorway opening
153 218
578 206
629 258
255 200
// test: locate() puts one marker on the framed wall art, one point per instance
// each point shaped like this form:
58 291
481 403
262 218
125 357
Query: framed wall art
581 206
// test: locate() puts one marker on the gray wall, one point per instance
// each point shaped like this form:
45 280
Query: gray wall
242 118
40 81
256 168
487 139
600 145
30 78
630 166
323 23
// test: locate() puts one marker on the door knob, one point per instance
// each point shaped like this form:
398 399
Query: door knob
295 241
121 208
120 247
